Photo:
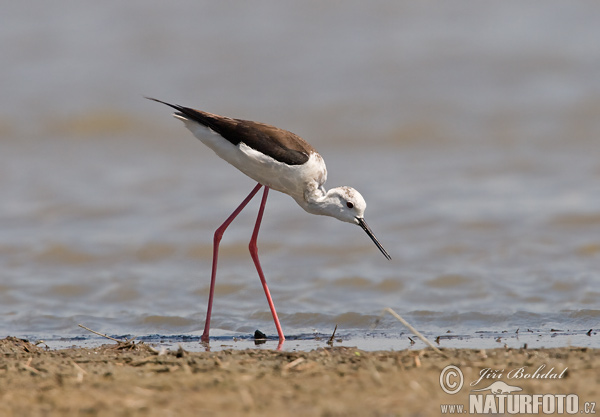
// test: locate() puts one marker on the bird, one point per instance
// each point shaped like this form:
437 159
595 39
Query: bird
276 159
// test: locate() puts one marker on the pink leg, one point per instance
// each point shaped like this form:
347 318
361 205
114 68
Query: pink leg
254 253
217 239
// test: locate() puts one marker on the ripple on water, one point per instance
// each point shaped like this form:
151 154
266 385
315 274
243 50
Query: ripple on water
449 281
304 320
224 289
576 220
154 251
389 285
69 290
588 250
168 322
123 293
59 253
353 282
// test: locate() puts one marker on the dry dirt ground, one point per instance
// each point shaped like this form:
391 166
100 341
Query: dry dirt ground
129 379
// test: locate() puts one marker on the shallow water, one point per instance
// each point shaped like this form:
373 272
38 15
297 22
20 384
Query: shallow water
471 130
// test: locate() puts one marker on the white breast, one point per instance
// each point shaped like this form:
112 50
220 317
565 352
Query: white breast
295 180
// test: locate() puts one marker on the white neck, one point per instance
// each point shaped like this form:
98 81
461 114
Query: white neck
333 203
314 201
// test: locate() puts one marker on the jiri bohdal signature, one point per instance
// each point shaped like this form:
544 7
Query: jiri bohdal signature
520 373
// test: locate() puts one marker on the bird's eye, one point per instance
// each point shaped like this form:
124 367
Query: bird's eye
349 204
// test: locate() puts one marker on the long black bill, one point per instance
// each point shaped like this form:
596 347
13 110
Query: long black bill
362 223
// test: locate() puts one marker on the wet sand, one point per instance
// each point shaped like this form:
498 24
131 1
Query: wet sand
135 379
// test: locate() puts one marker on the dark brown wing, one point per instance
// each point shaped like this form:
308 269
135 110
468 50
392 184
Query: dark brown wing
279 144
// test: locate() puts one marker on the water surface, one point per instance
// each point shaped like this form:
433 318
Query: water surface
471 130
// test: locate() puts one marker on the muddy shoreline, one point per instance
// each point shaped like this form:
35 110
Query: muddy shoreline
136 379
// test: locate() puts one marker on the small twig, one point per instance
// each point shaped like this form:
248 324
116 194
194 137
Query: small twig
293 363
330 341
80 372
79 368
100 334
413 330
29 367
107 336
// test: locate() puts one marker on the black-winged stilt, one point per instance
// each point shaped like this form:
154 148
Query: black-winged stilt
276 159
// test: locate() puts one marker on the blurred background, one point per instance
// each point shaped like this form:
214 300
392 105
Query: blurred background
471 129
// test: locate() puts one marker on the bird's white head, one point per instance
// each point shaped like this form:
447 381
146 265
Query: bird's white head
346 204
